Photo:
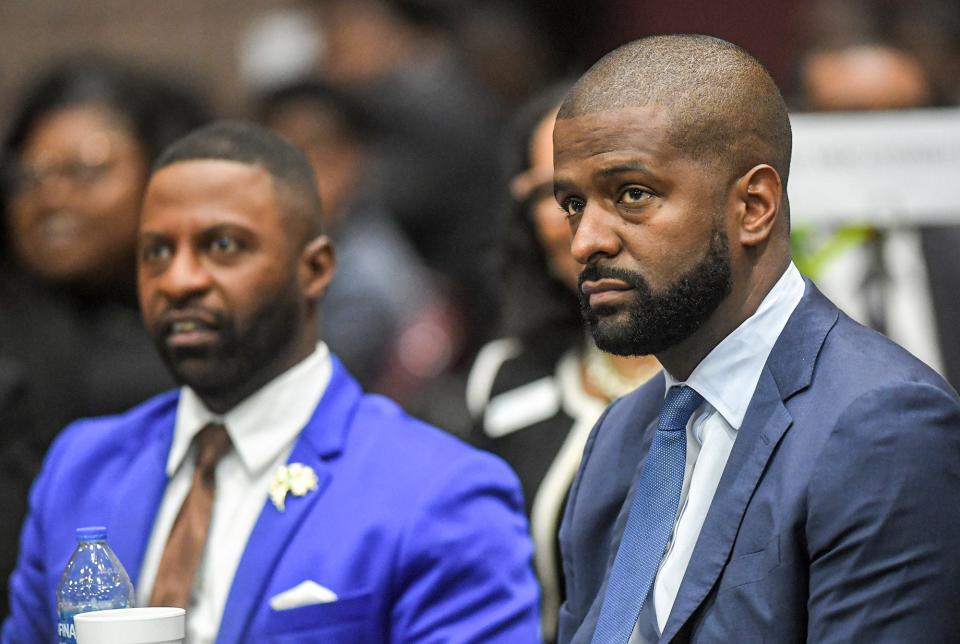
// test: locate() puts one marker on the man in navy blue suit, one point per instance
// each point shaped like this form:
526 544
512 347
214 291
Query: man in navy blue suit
793 475
268 495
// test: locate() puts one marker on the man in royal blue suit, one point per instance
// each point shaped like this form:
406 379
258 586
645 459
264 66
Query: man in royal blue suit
269 495
793 476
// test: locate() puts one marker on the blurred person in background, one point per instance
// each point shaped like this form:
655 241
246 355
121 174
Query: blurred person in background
18 465
535 394
437 125
509 49
76 160
383 314
924 33
75 163
900 281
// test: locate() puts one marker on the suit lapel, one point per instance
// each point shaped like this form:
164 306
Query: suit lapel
145 480
320 442
763 427
271 534
593 612
789 369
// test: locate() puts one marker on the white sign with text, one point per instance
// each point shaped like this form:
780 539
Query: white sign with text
883 168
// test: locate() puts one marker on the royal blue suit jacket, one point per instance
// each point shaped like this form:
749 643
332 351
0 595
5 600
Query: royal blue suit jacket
422 538
836 519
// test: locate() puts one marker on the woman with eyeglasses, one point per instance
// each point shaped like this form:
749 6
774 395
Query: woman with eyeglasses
74 167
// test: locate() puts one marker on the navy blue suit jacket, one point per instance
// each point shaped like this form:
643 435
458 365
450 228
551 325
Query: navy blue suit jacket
422 538
837 517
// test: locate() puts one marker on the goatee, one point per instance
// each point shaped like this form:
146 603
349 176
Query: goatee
656 321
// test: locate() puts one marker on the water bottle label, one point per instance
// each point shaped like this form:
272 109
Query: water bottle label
66 631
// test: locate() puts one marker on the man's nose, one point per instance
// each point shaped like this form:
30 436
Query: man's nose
595 234
185 277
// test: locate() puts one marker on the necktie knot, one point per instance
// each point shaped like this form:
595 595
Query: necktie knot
679 405
213 443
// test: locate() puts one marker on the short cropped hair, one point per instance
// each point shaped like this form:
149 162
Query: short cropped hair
721 102
250 144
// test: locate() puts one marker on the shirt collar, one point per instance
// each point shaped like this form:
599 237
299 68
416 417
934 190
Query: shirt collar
728 375
265 423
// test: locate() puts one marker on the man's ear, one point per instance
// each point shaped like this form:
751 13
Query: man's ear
760 193
316 267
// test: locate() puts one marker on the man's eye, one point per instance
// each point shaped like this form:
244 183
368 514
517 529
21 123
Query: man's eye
156 253
225 245
572 206
635 195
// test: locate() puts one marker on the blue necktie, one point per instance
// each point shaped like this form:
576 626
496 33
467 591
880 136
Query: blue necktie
650 522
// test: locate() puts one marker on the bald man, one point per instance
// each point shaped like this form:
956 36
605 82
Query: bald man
793 475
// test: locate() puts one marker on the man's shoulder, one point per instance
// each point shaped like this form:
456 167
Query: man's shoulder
157 408
95 464
828 355
856 359
383 432
864 390
101 436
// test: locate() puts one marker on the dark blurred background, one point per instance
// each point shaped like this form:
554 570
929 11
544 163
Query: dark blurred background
201 41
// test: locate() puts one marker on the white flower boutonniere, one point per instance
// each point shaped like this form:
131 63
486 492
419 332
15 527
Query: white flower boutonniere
293 477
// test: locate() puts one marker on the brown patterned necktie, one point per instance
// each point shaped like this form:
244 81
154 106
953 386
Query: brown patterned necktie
181 555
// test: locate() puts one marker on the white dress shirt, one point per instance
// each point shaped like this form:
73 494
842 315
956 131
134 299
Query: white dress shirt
726 378
263 429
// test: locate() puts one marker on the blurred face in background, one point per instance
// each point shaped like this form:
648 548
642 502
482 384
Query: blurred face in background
336 157
864 77
363 40
73 216
535 186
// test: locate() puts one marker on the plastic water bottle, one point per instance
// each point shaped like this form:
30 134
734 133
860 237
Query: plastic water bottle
94 579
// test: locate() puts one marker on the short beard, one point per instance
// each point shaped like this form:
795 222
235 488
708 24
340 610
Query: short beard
659 320
240 362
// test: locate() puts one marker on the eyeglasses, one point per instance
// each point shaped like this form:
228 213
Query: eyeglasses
28 178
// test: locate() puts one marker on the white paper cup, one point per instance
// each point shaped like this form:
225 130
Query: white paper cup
148 625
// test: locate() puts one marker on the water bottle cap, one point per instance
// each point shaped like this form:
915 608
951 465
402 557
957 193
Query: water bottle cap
92 533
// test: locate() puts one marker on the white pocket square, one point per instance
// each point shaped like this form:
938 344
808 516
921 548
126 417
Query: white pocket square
305 593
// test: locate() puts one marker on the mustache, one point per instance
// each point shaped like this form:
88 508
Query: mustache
595 272
202 317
